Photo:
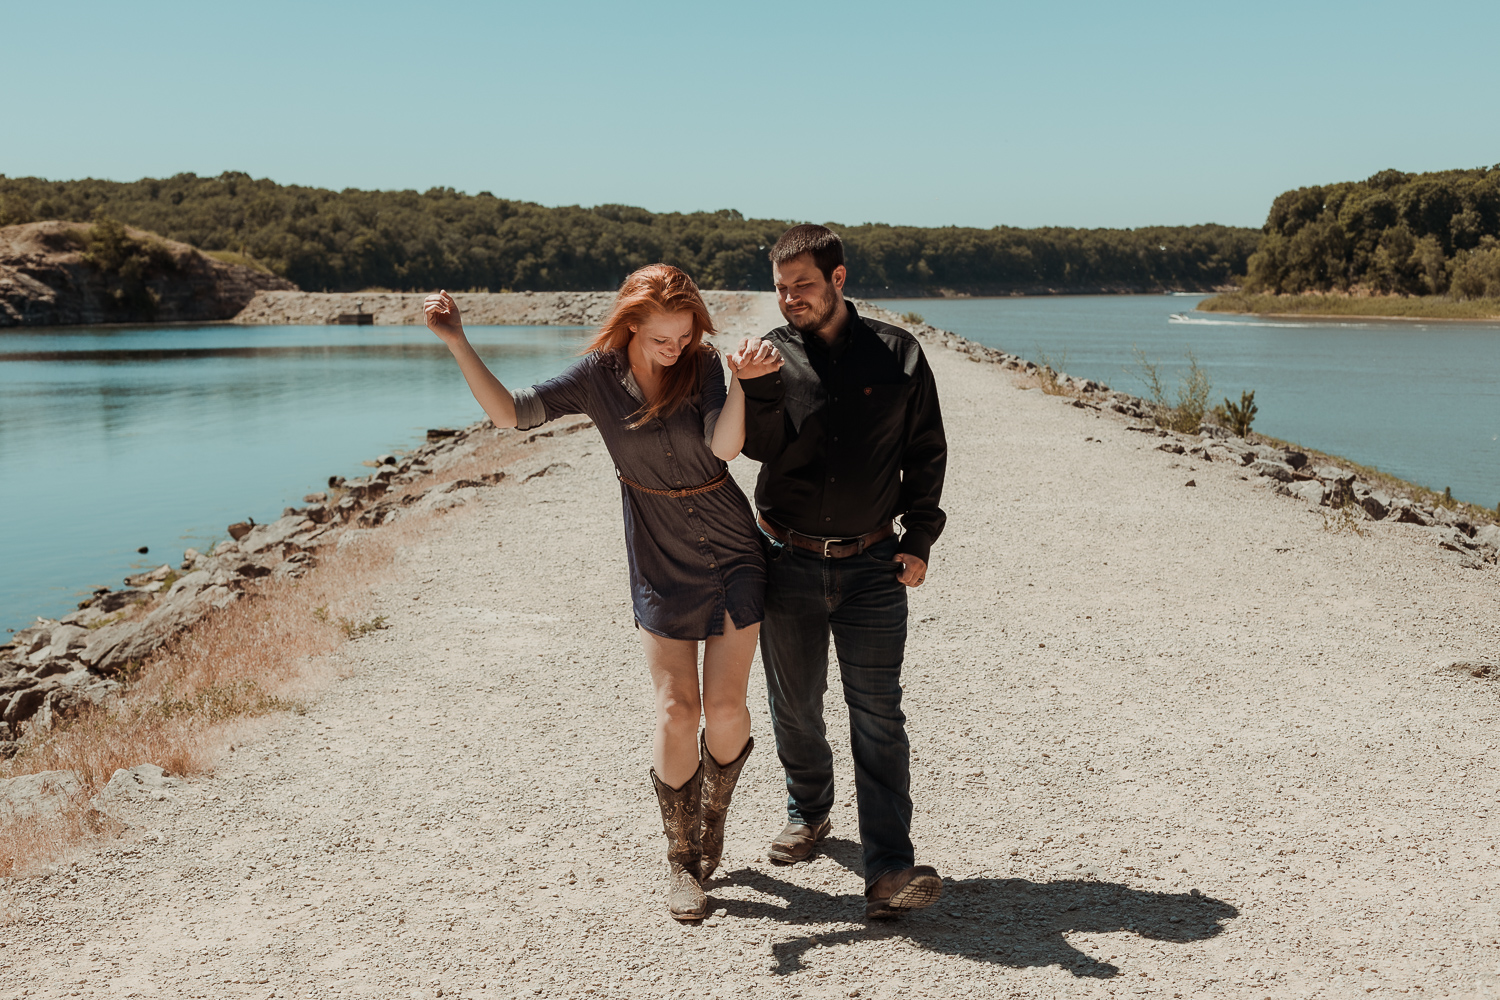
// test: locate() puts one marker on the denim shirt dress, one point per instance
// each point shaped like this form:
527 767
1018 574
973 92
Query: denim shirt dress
691 558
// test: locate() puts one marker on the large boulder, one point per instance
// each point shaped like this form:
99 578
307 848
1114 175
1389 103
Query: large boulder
1279 471
1376 504
267 536
143 783
1309 490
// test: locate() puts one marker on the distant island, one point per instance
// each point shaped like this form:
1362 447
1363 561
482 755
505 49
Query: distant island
1413 246
353 240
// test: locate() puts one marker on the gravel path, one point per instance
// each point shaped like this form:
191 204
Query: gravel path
1167 741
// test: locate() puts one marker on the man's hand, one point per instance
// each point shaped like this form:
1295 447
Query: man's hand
754 359
913 570
747 349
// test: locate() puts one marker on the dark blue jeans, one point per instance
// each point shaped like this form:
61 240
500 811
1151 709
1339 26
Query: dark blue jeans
859 602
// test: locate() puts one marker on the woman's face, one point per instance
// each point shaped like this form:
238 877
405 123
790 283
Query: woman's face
663 337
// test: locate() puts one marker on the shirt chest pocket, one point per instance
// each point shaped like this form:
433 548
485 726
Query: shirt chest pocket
884 404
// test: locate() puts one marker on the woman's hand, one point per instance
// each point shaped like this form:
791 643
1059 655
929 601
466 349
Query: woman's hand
441 313
754 359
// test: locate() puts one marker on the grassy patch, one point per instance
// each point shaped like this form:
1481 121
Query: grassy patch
1372 307
243 260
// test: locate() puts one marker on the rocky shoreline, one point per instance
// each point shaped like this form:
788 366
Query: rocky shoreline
1469 541
52 668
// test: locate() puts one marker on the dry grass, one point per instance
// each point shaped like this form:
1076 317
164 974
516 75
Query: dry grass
265 654
1415 307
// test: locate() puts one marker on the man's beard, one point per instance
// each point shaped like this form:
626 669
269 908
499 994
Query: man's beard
817 315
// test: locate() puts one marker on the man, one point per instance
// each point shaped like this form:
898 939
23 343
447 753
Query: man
850 438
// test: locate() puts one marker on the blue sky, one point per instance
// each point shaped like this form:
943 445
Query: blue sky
1075 114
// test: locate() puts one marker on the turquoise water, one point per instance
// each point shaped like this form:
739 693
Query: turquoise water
115 438
1417 400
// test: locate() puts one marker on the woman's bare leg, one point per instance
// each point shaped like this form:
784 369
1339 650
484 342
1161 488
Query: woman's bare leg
674 675
726 674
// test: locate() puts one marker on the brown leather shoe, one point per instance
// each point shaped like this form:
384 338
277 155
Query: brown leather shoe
798 842
896 892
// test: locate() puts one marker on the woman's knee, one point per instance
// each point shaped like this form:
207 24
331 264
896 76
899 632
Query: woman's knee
678 711
724 709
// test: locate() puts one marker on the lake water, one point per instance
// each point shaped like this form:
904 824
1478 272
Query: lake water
1416 400
115 438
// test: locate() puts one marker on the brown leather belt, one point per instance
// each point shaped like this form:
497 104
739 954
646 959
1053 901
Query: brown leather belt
691 491
828 548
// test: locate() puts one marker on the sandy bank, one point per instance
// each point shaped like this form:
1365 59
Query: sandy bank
1313 305
730 309
1168 739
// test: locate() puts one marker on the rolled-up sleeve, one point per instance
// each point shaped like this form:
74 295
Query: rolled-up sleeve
557 397
712 392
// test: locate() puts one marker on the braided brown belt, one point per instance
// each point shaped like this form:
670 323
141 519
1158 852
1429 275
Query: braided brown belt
691 491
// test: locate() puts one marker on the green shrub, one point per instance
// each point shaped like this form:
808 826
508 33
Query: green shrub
1186 415
1238 416
126 263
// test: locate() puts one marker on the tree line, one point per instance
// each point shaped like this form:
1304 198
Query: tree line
351 240
1394 233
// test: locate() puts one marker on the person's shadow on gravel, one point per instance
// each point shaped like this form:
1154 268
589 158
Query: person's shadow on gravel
1007 921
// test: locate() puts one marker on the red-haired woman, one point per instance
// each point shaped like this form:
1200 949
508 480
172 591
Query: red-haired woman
697 570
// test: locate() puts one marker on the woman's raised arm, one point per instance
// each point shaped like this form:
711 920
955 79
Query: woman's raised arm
443 319
751 361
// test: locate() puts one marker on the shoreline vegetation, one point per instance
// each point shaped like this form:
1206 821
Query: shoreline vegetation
1393 307
1392 246
351 240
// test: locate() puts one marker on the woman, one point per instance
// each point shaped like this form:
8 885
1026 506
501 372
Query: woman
697 571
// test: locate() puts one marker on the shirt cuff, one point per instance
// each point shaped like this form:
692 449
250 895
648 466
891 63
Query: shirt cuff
916 543
530 410
766 389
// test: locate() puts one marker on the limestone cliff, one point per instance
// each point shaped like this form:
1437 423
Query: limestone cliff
68 273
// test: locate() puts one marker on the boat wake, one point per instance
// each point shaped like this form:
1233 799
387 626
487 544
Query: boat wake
1285 325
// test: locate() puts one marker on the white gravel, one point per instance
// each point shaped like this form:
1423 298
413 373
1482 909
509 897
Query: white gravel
1167 741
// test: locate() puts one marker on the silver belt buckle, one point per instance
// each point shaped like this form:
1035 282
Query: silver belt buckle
827 542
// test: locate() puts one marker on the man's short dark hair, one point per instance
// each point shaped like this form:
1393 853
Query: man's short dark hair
823 243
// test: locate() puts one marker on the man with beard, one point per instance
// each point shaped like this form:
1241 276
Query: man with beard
850 439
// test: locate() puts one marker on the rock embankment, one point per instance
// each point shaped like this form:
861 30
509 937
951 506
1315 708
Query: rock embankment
273 308
49 277
1465 540
51 669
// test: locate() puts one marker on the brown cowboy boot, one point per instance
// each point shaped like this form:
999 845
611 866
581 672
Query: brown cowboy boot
681 811
718 788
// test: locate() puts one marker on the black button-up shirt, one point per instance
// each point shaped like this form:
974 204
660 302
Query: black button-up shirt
849 435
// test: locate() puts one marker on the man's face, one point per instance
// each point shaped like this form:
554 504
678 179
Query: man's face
806 298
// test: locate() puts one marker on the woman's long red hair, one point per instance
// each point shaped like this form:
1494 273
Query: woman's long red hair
660 289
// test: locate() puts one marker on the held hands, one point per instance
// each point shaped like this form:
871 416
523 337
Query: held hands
441 313
913 570
754 358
